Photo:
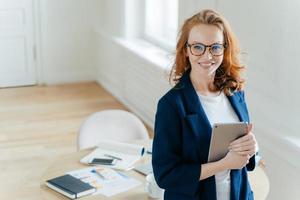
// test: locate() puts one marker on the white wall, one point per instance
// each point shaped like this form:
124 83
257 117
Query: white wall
66 42
136 82
110 16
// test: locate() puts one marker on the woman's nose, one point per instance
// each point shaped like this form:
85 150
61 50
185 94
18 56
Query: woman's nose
207 54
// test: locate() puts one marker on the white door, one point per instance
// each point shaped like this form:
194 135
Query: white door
17 65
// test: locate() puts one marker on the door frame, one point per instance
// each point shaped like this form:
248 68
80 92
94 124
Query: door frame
38 47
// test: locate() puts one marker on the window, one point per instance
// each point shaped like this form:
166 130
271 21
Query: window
161 22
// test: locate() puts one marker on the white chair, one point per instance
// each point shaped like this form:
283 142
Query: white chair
118 125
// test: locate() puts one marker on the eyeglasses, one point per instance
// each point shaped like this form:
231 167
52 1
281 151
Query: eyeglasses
199 49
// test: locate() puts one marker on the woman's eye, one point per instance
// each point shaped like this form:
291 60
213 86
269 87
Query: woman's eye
216 47
199 47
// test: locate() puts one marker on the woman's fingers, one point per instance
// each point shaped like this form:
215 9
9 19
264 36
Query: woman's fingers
246 138
248 143
244 153
240 140
243 148
248 153
249 128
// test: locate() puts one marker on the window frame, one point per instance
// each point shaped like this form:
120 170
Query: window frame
157 40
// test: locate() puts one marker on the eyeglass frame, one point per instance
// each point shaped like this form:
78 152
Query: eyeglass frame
205 47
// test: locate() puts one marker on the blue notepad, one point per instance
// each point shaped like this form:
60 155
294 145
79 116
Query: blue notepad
70 186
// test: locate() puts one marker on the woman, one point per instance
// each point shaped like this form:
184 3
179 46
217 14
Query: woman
208 90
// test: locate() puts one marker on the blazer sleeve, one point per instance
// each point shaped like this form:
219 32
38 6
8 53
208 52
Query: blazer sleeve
170 169
252 161
252 164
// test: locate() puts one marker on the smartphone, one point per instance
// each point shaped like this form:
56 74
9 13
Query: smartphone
102 161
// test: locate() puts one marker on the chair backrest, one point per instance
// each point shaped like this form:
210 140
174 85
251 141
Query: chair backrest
118 125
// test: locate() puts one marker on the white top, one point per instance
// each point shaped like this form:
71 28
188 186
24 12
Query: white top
219 110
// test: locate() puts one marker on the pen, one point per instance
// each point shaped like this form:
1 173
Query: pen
149 152
110 156
98 173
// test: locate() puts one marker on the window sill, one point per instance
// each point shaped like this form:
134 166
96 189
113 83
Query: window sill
148 51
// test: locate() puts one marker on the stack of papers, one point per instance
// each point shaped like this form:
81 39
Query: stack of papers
107 181
127 154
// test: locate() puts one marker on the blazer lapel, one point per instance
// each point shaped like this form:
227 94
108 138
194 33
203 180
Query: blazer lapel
195 116
239 106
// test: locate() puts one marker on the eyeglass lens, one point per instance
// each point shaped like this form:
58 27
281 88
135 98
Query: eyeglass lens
199 49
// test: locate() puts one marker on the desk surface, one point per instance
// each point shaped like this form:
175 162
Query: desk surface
258 179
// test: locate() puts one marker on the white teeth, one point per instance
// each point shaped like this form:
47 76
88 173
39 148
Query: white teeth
206 64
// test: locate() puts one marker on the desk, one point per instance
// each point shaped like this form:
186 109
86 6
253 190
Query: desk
258 179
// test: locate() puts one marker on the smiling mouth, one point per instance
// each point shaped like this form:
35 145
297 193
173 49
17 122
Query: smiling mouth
206 64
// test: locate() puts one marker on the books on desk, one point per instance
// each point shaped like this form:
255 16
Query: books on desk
92 180
126 154
70 186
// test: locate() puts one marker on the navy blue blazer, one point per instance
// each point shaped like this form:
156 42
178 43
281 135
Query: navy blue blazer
181 145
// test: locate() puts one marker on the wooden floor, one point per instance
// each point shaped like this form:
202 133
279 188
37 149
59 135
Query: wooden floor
38 124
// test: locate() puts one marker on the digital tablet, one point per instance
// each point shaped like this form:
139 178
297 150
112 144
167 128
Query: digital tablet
222 135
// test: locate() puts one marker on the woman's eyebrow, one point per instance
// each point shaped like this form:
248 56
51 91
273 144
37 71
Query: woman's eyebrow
197 42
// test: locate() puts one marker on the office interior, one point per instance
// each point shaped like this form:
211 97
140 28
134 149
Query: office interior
62 60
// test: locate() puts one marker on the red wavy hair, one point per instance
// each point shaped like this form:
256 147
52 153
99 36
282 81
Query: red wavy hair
228 75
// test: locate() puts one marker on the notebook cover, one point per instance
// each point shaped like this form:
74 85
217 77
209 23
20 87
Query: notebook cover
72 185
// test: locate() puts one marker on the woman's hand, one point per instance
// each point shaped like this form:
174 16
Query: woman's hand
246 145
233 160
